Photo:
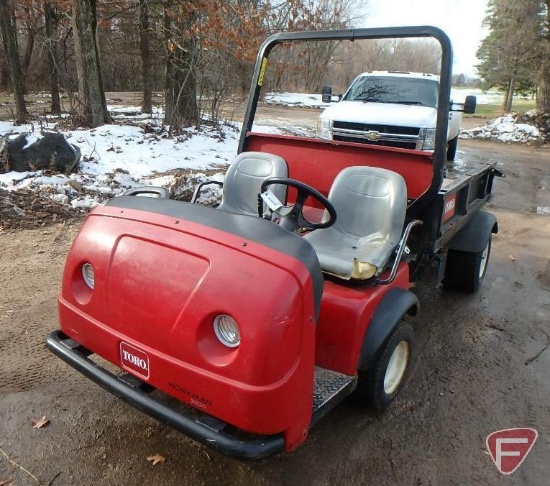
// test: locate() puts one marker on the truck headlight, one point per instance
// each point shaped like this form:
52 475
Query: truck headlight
323 128
227 331
429 139
88 275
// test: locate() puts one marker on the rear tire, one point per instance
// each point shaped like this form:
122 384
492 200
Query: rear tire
465 271
451 148
378 387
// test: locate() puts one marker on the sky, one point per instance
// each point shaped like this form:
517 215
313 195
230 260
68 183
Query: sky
460 19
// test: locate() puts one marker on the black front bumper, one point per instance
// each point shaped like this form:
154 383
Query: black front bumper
205 429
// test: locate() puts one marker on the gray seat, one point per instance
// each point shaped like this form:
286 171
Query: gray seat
244 178
370 203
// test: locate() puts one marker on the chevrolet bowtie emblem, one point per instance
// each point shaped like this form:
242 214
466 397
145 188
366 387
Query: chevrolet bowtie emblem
372 136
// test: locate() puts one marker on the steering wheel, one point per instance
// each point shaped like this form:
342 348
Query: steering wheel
291 217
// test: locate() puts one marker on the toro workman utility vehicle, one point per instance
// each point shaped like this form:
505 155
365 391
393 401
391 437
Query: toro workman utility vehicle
261 314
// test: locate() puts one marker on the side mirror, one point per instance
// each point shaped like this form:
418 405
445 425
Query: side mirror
470 104
326 94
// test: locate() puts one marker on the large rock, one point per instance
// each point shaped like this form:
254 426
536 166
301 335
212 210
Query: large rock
31 151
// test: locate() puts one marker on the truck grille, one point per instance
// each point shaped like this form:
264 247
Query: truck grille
374 134
367 127
383 143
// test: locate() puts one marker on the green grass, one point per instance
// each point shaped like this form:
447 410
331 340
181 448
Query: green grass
492 108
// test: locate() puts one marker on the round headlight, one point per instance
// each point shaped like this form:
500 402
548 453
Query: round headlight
88 275
227 331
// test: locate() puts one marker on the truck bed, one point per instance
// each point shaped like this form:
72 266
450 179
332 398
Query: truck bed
466 188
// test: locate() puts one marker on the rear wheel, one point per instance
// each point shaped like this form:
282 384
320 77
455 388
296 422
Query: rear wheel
378 387
465 271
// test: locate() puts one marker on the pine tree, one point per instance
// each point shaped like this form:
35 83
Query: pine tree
514 53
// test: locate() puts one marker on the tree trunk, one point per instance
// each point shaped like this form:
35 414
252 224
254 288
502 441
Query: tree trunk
30 43
51 43
180 84
10 45
4 75
93 105
543 91
509 97
106 114
146 60
543 85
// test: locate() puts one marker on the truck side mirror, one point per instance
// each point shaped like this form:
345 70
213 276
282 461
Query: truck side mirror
326 94
470 104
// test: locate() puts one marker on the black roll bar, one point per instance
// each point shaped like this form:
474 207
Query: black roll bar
444 101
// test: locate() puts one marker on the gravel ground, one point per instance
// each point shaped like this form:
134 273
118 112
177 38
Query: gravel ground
483 365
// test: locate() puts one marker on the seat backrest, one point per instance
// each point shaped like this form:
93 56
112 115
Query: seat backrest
371 204
244 178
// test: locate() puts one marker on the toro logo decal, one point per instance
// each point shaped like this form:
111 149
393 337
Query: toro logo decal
450 208
134 359
509 447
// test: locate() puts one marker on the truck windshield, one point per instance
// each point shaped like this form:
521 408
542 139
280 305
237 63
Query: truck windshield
394 89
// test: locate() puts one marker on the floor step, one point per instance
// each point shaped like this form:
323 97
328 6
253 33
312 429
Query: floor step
329 389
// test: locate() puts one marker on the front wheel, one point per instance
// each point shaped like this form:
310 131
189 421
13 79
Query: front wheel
378 387
465 271
451 148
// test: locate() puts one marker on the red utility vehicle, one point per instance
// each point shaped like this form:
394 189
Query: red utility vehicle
259 317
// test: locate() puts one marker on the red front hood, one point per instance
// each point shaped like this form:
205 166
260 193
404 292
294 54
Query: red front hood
160 284
160 280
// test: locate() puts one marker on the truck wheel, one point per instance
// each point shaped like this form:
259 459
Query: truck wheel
378 387
451 148
465 270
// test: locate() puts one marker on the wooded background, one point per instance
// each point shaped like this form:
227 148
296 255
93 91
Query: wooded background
516 53
199 53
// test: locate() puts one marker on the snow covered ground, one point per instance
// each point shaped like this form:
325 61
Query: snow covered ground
295 99
314 100
138 151
483 97
116 158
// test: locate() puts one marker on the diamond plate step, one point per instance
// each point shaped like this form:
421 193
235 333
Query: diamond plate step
329 389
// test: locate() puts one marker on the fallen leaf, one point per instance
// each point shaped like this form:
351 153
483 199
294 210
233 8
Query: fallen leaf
157 458
41 422
513 258
6 482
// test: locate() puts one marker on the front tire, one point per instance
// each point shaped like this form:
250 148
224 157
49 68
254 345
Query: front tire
378 387
465 271
451 148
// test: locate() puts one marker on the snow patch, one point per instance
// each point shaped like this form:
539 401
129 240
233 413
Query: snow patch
505 129
32 138
116 158
309 100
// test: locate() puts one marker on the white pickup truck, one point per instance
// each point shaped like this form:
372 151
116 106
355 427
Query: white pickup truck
396 109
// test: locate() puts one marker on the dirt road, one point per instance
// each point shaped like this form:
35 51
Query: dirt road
484 365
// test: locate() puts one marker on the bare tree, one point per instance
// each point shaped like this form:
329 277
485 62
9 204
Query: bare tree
145 52
306 66
93 105
10 46
181 83
30 22
50 20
